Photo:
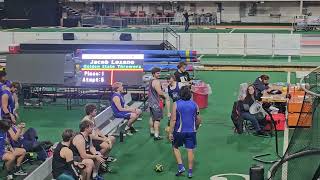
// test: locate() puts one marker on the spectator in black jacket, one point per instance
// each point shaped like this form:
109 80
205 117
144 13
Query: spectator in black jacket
244 109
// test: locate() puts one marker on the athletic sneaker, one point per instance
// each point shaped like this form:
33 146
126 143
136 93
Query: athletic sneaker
133 130
158 138
105 168
128 132
9 177
20 172
180 171
111 159
98 178
190 173
139 119
261 133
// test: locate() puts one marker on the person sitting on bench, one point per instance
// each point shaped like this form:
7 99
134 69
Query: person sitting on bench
13 157
101 142
120 111
63 165
244 109
84 151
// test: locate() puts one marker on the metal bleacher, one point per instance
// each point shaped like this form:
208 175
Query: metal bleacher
104 121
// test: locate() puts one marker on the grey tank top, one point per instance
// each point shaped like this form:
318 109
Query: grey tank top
153 97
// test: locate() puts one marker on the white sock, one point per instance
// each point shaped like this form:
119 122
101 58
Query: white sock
127 127
94 174
156 134
151 130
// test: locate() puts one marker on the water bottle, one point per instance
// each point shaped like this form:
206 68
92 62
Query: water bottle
121 136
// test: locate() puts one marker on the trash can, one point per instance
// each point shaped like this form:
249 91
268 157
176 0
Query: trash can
256 172
201 93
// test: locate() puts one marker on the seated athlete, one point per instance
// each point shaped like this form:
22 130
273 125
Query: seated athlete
63 165
83 150
12 157
101 142
121 111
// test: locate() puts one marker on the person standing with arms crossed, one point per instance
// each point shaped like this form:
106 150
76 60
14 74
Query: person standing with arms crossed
155 101
185 120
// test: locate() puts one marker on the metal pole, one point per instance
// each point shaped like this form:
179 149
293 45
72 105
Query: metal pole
301 6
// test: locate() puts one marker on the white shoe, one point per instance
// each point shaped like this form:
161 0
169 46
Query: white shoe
10 177
128 132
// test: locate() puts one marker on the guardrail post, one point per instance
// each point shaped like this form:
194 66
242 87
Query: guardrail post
245 44
218 44
273 44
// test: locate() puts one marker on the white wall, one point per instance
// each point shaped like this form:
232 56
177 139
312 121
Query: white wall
210 7
287 10
315 10
204 43
230 12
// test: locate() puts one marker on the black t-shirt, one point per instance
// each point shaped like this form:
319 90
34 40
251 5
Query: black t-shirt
182 76
59 164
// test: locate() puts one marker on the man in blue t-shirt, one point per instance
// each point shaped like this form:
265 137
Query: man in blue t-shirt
121 111
185 120
8 100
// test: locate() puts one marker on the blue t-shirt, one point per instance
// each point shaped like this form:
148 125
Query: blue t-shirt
113 105
11 103
186 116
3 139
7 83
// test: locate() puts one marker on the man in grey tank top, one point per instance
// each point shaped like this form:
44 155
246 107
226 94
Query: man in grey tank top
155 100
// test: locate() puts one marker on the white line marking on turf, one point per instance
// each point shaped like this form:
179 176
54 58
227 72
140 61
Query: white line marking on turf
5 30
284 175
200 57
66 29
232 30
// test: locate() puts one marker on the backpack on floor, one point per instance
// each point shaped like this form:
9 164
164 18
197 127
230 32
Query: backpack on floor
236 118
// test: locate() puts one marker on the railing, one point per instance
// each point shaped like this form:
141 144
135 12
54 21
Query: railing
169 31
306 23
93 20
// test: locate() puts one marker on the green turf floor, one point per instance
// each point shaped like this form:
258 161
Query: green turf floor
219 149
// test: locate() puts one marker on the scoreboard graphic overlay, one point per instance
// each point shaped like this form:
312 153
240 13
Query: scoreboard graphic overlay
105 69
